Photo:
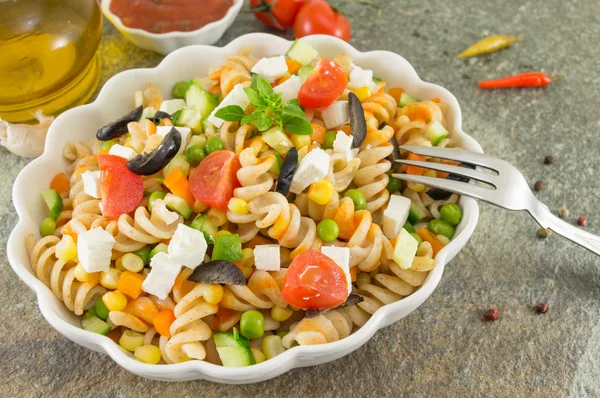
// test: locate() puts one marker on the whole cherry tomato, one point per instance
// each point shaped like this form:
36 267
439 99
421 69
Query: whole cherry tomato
318 17
279 14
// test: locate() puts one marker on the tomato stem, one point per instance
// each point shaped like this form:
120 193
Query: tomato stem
266 8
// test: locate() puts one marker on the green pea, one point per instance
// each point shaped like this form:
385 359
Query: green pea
394 185
48 226
179 89
329 139
417 237
441 227
144 254
359 198
272 346
195 154
252 324
161 247
154 196
408 227
451 213
107 145
213 144
328 230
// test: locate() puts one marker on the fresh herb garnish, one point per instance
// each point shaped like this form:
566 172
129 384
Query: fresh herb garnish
268 110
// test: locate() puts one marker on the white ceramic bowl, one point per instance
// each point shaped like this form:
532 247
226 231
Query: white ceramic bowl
165 43
115 99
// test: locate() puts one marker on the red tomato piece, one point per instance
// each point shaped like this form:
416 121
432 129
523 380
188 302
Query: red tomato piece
279 14
324 85
317 17
215 178
314 282
122 190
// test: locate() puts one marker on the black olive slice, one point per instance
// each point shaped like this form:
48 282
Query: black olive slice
119 127
286 174
153 162
218 271
350 301
440 194
158 116
358 124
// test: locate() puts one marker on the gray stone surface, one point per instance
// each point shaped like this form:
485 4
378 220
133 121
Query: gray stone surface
445 348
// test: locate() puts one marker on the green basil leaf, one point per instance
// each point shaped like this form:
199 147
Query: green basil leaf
298 126
294 102
252 96
247 119
263 123
231 113
261 85
292 110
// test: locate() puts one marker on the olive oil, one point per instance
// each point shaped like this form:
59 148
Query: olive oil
48 55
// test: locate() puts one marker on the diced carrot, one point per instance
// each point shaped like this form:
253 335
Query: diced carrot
143 308
441 174
115 334
180 186
293 66
415 169
318 134
130 284
396 92
166 241
437 100
281 79
162 322
427 236
344 218
166 122
353 272
60 183
104 152
393 242
238 263
258 240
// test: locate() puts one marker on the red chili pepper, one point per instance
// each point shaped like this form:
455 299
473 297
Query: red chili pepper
529 79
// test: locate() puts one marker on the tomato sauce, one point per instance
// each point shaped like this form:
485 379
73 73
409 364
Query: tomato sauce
162 16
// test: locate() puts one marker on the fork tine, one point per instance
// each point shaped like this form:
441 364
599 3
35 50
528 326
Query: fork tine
460 155
462 188
462 171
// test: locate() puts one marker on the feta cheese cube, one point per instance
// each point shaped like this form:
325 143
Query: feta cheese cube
161 278
184 131
313 167
267 257
122 151
172 106
91 183
289 89
341 256
271 68
343 144
160 212
237 96
360 77
336 114
395 215
187 247
94 250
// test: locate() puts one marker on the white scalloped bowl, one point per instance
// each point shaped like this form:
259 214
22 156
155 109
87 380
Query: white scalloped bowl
164 43
115 99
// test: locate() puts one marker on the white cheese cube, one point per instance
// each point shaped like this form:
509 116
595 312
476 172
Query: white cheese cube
91 183
237 96
94 250
172 106
360 77
122 151
184 131
161 278
336 114
313 167
160 212
187 247
341 256
271 68
289 89
395 215
405 249
267 257
343 144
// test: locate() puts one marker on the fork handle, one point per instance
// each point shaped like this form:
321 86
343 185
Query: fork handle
546 219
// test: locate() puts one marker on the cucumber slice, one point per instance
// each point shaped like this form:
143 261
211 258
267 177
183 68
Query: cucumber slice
205 123
176 204
405 249
200 100
415 214
92 323
436 133
302 52
197 140
160 248
225 339
227 247
53 201
304 71
148 113
204 225
406 99
236 357
277 140
204 83
408 227
276 168
180 163
100 309
190 118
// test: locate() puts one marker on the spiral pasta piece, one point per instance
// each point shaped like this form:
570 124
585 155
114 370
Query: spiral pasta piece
262 291
142 229
368 245
325 328
235 70
414 119
342 172
233 135
382 106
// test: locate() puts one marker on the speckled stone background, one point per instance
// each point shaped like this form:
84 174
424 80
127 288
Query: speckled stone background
445 348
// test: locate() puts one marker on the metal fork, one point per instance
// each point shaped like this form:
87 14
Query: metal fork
508 188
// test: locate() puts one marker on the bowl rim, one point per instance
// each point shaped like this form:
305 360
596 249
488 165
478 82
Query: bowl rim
115 19
297 356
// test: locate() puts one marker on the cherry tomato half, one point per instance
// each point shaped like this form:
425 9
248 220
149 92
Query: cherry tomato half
121 189
324 85
318 17
279 14
314 282
215 178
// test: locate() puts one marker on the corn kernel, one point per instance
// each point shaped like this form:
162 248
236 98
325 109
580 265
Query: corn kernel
238 206
214 294
247 258
114 300
415 186
430 173
320 192
222 232
300 141
131 340
363 93
130 262
281 314
247 272
110 279
148 354
83 276
66 249
443 239
258 355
